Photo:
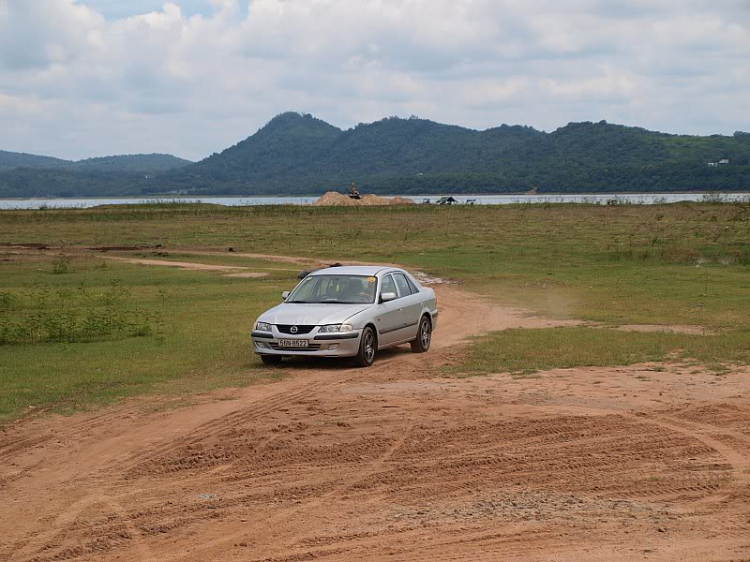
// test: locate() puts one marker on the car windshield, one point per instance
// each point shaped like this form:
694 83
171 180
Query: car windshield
335 289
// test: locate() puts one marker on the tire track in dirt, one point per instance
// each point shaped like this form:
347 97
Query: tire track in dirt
726 442
544 437
316 502
14 440
157 456
544 463
739 463
242 416
476 467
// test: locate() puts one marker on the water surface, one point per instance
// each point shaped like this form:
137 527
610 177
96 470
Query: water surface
590 198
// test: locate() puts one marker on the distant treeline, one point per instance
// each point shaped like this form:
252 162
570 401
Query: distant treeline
300 155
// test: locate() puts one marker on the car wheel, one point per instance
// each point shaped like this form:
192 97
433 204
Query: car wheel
424 336
271 359
368 346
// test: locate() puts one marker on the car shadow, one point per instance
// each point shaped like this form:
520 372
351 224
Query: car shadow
339 363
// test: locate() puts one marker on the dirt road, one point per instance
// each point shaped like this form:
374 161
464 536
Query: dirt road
395 462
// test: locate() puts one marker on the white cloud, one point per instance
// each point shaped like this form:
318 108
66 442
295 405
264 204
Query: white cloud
495 93
192 77
609 85
36 33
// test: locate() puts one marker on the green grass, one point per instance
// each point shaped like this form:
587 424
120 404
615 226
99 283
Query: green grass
203 342
39 314
684 263
523 352
624 264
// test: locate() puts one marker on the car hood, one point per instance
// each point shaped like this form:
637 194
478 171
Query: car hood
311 314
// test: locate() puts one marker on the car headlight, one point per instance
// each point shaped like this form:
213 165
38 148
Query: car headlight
263 326
335 328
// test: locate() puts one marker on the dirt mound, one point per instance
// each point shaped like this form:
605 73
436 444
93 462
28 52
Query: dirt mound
334 199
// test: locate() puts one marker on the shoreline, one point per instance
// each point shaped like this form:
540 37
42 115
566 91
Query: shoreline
619 198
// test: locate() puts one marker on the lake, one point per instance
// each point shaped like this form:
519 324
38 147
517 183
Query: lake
590 198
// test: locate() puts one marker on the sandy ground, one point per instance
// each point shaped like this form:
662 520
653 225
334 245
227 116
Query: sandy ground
335 199
193 266
395 462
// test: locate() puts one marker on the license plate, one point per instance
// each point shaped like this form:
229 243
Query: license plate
293 343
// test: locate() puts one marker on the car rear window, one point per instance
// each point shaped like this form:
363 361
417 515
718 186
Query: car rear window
412 285
403 285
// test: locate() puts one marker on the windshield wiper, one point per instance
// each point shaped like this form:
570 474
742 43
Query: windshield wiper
325 302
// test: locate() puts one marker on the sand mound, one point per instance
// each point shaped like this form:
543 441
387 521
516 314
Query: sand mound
334 199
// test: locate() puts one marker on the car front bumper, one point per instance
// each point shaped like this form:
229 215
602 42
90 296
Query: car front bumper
319 345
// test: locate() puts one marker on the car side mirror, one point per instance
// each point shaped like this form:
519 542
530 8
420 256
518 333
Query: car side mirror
385 297
285 295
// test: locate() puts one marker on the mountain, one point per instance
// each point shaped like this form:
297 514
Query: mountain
300 154
412 146
287 146
135 163
10 160
297 153
27 175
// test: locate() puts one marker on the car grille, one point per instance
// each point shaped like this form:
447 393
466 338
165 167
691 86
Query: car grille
287 329
311 347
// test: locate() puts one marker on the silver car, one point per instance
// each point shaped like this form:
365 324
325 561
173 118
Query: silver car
348 312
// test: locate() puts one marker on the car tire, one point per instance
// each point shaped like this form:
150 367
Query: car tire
368 347
271 359
424 336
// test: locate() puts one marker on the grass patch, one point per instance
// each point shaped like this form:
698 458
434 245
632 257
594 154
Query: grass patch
684 263
524 352
61 265
199 342
41 314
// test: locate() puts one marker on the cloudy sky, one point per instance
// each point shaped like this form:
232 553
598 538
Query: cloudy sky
81 78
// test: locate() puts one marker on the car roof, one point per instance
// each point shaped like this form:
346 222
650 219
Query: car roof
352 270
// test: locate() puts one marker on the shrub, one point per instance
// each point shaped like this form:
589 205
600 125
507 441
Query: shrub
39 316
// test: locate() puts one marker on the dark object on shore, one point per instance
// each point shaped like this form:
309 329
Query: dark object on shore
353 191
446 201
123 248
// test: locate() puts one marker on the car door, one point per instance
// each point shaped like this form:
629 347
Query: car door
389 319
411 306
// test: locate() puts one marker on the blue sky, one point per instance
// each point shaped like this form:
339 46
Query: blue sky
115 9
82 78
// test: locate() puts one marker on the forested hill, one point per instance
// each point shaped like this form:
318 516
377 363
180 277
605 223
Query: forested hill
10 160
126 163
27 175
136 163
299 154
